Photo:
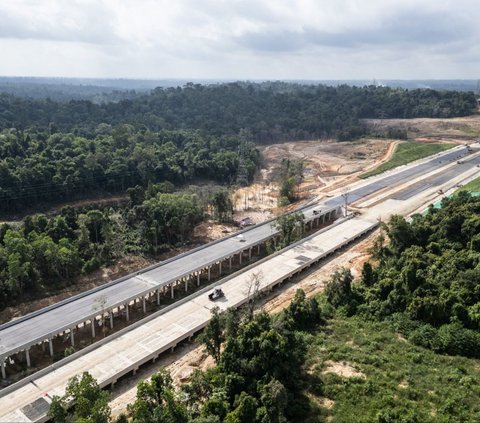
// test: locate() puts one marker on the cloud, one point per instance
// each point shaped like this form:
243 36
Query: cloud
66 21
302 39
415 29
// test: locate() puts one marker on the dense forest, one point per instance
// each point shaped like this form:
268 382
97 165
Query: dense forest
40 168
271 111
59 151
426 280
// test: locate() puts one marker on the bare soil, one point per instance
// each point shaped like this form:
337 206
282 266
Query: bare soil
461 129
342 369
328 164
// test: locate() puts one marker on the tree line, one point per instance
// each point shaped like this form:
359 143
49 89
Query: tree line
270 111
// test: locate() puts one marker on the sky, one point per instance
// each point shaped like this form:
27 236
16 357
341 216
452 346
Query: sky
241 39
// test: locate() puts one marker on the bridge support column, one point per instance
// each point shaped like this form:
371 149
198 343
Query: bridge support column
127 312
198 278
220 268
144 304
250 253
158 297
50 345
209 275
186 284
111 319
93 327
4 373
72 337
230 263
27 357
240 257
171 291
258 249
323 218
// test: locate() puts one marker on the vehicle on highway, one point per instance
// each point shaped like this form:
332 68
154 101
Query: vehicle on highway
216 294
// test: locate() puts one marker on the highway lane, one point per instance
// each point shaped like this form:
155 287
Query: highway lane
437 180
37 328
399 176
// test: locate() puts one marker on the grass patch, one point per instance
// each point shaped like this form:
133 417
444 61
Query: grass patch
402 382
467 129
472 186
408 152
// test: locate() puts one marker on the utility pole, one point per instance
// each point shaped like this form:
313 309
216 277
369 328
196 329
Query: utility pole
345 197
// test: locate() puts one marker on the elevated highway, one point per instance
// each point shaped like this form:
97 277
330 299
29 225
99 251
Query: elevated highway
165 279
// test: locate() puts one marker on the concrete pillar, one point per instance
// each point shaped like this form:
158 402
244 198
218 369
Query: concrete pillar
230 262
250 253
240 257
127 312
220 268
158 297
27 357
72 337
144 303
4 373
323 218
171 290
111 319
43 346
186 284
258 249
50 345
93 327
209 273
198 278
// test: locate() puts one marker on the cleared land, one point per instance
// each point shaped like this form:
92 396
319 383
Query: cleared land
365 372
407 152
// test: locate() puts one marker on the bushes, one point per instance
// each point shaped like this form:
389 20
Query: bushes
451 338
